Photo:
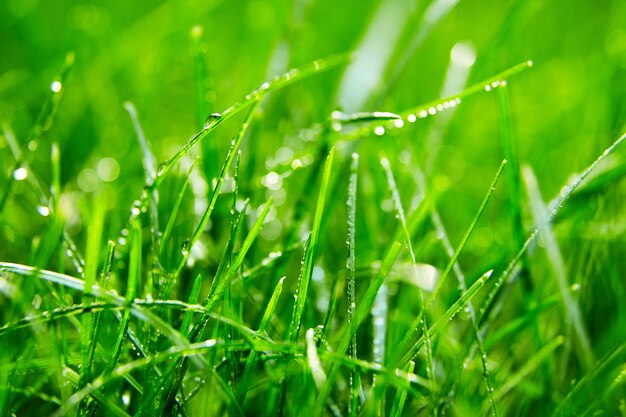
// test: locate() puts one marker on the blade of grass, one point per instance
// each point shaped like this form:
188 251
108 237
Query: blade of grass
310 253
167 232
571 310
218 186
513 179
433 107
134 273
362 310
355 378
423 322
96 224
7 268
400 398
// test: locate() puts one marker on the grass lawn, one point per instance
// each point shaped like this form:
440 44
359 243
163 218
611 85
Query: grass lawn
313 207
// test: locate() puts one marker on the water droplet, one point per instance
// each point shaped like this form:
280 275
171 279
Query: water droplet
211 119
185 247
296 164
423 113
439 107
43 210
398 123
432 111
56 86
126 398
411 118
487 87
20 174
379 130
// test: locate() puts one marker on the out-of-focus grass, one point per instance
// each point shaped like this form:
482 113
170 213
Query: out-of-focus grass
72 172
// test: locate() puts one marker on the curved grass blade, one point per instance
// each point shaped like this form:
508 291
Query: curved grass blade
140 313
433 107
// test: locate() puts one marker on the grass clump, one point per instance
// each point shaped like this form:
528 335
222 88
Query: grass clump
310 249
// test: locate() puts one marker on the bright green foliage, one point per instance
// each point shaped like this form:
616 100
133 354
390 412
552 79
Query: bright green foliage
289 207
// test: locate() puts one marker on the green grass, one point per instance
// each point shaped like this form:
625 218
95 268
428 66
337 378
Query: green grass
311 208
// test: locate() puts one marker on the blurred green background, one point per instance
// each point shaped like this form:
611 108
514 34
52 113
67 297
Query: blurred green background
566 110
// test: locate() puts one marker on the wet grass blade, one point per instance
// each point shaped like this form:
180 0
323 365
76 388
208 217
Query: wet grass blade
351 278
423 319
310 252
431 108
167 232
